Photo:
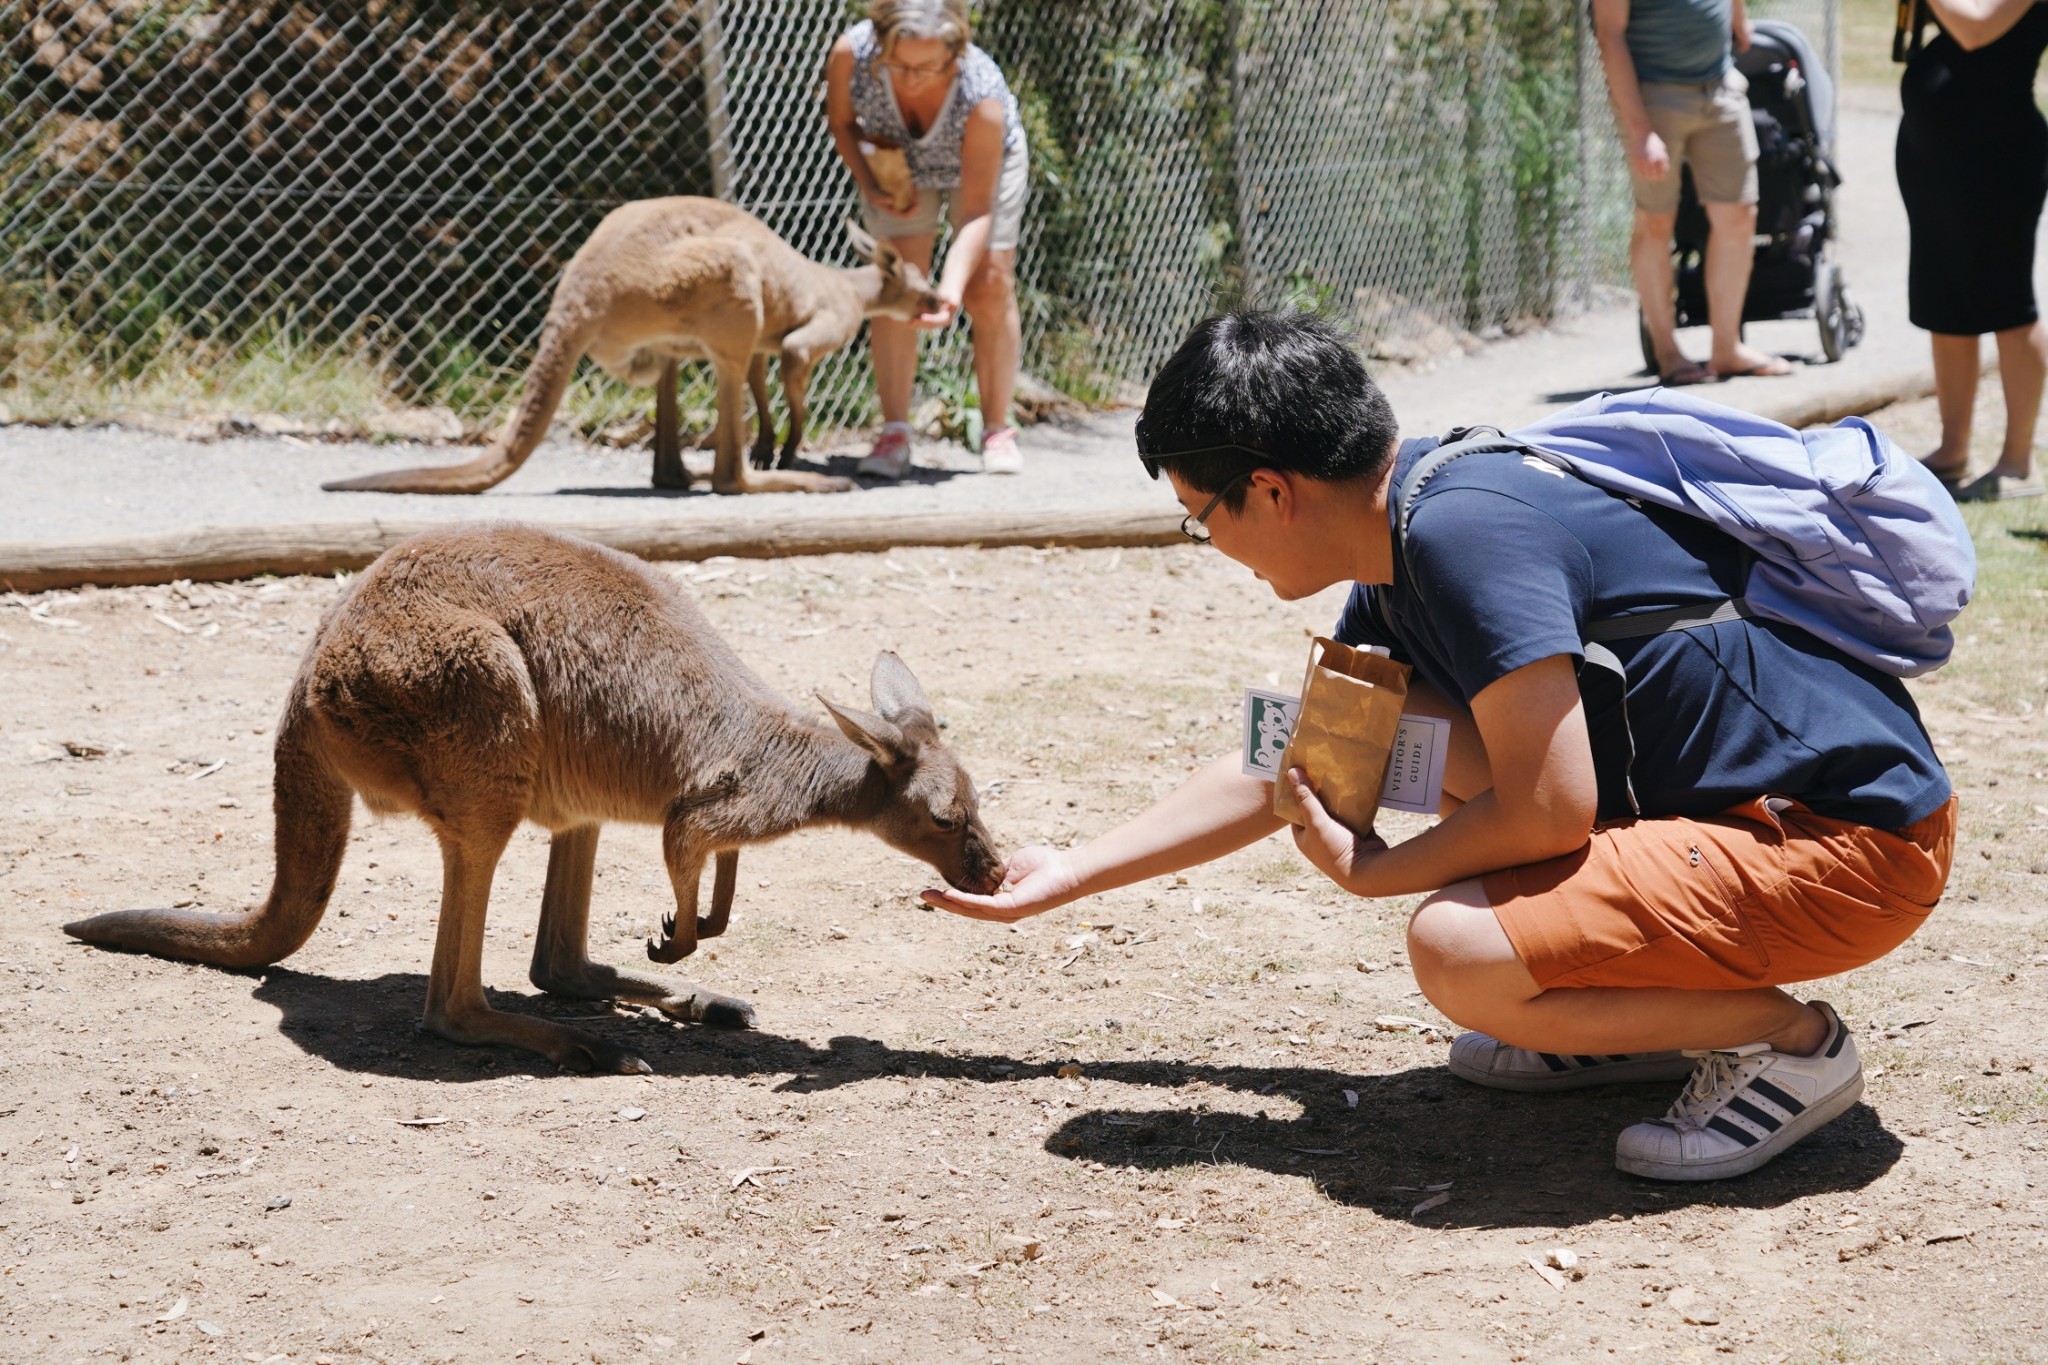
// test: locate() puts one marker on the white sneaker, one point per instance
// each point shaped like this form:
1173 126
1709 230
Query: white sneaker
1487 1061
889 458
999 453
1743 1107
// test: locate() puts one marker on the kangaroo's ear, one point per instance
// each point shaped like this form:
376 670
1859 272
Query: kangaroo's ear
863 244
884 740
887 258
897 694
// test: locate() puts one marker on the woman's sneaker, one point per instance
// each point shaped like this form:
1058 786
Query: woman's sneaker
1743 1107
1488 1061
999 454
890 456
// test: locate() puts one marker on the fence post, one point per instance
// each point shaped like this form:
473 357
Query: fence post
717 104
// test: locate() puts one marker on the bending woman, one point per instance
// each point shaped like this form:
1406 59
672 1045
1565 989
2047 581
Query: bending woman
909 78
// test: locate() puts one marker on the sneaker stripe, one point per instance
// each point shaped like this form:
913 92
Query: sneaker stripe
1776 1096
1766 1121
1554 1062
1584 1060
1727 1129
1841 1037
1618 1057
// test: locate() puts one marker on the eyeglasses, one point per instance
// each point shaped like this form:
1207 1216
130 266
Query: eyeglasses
923 73
1195 525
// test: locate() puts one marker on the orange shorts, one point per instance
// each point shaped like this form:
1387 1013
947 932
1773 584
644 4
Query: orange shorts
1764 894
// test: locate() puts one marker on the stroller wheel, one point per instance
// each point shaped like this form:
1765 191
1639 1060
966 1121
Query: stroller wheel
1841 321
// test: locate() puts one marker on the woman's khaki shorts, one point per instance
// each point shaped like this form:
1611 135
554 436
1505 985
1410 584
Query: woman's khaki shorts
1765 894
1013 185
1706 127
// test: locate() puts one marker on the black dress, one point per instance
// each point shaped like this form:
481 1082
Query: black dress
1973 169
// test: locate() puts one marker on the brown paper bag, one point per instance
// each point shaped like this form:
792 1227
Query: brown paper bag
1350 707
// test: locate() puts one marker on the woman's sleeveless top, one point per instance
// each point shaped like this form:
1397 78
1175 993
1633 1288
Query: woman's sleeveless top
935 157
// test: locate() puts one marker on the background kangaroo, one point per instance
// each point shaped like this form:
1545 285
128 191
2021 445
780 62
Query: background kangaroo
692 279
480 676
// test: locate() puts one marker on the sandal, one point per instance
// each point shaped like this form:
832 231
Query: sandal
1949 476
1772 368
1997 487
1691 372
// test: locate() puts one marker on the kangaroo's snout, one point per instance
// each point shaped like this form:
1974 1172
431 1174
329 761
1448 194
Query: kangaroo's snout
980 868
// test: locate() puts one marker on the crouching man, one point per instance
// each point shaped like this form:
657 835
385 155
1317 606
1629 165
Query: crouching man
1791 819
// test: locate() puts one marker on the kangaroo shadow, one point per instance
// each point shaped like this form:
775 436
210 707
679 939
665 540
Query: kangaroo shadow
1510 1160
843 465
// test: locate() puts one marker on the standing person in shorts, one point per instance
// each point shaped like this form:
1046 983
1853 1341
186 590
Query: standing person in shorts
1680 101
1793 820
908 77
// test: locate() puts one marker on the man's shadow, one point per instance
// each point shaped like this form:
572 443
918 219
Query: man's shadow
1504 1159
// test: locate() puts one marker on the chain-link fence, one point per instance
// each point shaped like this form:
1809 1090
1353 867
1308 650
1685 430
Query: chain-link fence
336 202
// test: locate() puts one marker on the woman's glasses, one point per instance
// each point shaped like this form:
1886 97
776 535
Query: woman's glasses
919 73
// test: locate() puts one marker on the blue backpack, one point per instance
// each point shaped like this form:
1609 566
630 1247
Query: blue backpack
1850 539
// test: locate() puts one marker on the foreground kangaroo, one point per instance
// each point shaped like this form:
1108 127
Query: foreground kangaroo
691 279
481 676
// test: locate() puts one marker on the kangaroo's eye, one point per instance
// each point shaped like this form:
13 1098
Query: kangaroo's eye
946 822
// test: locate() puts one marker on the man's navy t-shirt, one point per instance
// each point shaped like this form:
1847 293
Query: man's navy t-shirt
1512 558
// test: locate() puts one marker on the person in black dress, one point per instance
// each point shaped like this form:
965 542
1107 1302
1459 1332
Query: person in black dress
1973 170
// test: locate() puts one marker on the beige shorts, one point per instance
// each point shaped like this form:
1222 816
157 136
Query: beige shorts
1013 185
1708 128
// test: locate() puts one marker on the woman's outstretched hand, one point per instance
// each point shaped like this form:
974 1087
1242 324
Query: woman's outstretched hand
948 309
1035 880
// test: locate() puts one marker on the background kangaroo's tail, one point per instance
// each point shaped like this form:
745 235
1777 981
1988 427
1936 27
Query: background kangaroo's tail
561 346
312 806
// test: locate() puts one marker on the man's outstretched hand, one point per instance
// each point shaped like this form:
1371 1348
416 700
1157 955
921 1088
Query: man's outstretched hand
1035 880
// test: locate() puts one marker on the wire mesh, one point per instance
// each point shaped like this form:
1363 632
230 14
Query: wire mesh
401 181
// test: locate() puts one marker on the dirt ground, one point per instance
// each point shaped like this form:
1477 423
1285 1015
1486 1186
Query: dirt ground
1205 1118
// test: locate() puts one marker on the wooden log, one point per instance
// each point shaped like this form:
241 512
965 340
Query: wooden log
326 547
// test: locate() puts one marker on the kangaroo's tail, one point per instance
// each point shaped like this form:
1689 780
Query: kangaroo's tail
561 346
312 806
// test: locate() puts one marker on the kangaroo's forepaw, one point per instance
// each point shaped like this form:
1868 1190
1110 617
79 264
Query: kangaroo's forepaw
669 948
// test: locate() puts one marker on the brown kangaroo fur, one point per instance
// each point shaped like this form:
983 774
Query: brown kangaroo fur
478 676
691 279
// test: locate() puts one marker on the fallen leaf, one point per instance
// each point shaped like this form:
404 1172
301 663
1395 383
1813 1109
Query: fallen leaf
1550 1277
632 1114
283 1201
1434 1201
1351 1099
421 1123
208 1328
1167 1224
1020 1248
176 1311
1950 1234
747 1177
1398 1023
1564 1258
1070 1070
1164 1299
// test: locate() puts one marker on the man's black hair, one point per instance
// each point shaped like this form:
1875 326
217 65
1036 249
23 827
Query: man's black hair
1260 389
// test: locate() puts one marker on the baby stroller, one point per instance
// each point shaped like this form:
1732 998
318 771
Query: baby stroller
1792 100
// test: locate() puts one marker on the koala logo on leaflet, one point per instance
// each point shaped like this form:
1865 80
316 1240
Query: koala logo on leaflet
1269 721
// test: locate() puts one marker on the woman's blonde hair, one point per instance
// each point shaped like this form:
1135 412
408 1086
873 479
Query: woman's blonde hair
944 20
